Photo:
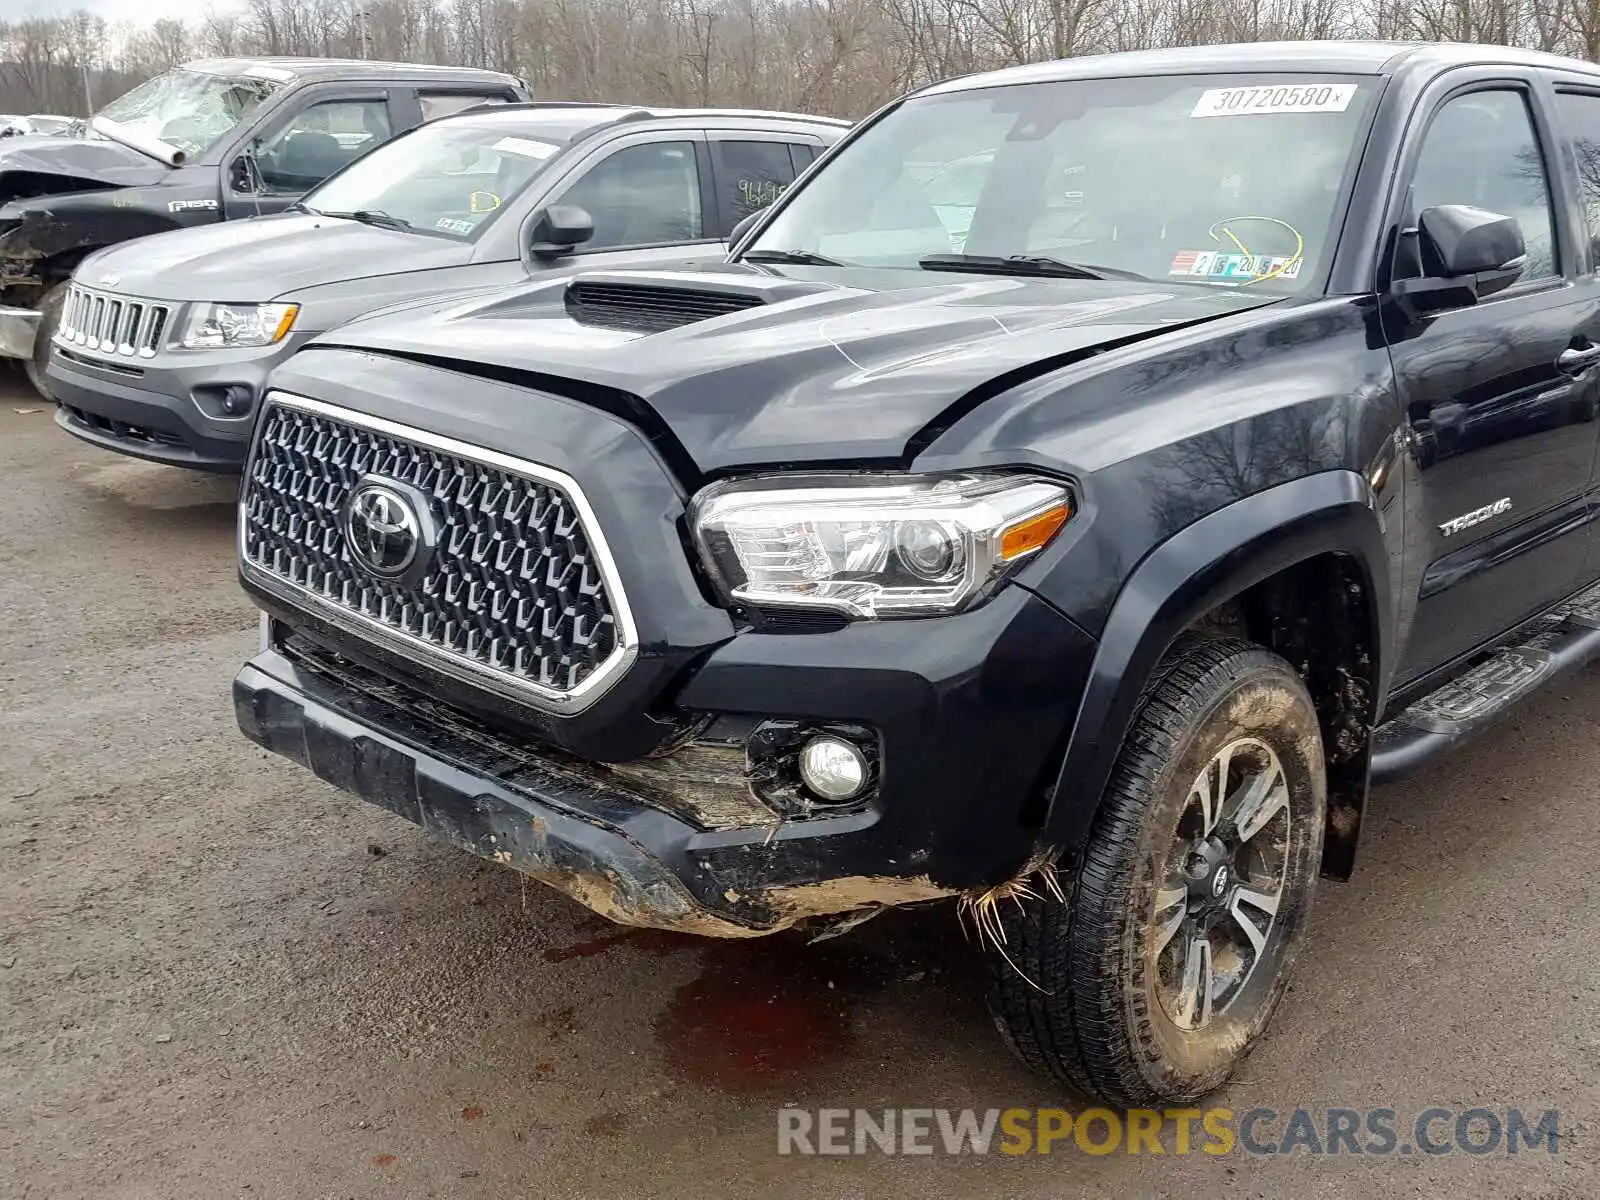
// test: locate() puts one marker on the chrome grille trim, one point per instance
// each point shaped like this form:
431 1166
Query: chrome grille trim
385 635
120 326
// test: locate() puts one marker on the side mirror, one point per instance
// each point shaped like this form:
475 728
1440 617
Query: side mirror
745 224
1466 253
558 229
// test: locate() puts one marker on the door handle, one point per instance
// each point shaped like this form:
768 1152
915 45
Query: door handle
1575 361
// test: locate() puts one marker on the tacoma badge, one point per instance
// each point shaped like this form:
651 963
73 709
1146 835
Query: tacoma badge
1476 517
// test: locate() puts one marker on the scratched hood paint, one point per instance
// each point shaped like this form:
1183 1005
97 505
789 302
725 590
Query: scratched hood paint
265 258
851 369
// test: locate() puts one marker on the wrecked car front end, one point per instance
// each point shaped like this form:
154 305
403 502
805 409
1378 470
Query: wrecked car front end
58 200
543 677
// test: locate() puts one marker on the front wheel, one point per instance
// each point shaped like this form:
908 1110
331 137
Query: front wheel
1187 905
50 305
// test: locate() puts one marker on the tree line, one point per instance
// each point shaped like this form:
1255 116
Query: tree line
836 57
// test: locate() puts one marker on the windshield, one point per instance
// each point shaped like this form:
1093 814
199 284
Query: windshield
1221 180
449 178
188 110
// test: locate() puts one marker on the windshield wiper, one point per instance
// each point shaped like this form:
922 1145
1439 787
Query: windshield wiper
801 258
372 216
1022 264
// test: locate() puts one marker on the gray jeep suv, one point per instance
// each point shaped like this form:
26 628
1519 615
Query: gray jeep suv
165 343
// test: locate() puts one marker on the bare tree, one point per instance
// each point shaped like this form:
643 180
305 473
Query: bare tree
843 57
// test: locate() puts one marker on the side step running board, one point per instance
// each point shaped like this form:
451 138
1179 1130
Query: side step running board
1458 711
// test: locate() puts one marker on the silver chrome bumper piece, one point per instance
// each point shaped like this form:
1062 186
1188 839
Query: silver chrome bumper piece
18 328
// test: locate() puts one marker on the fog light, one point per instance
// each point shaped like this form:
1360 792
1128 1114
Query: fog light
833 769
237 400
224 401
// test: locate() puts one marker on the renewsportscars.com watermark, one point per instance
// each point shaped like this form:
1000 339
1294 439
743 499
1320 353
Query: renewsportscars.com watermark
1174 1131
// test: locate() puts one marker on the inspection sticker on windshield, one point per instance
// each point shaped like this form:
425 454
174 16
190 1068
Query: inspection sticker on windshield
526 147
1274 98
1225 268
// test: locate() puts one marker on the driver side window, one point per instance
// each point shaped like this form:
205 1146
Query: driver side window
318 141
641 196
1480 149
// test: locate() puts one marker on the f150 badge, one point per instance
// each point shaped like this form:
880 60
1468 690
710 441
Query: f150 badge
1476 517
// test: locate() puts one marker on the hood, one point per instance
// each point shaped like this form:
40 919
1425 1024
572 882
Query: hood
268 257
842 364
67 164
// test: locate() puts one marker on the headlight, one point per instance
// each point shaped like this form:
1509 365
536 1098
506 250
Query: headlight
219 326
874 547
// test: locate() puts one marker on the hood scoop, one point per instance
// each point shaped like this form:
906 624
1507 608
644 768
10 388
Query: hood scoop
659 301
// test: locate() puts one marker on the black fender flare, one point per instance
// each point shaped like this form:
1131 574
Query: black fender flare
1188 575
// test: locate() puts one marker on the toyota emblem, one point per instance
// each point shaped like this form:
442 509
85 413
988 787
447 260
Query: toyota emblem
384 528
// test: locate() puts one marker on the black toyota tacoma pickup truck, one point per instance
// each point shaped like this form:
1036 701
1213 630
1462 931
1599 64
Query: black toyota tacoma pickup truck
205 142
1068 499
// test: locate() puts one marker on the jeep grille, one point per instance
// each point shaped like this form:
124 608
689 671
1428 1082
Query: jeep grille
104 324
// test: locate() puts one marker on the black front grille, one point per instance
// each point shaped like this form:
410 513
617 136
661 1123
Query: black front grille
649 309
515 590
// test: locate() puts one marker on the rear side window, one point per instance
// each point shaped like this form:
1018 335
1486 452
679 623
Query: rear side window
750 176
447 104
1580 118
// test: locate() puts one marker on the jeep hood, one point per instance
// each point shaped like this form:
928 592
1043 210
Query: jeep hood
837 365
268 257
50 166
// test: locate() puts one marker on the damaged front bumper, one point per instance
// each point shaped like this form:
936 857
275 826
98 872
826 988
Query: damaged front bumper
707 828
19 327
592 833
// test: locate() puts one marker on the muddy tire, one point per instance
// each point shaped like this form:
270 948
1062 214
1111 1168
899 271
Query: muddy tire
50 318
1187 905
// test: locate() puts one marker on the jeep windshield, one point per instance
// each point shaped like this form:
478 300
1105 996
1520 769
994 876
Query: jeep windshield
1226 180
448 179
186 111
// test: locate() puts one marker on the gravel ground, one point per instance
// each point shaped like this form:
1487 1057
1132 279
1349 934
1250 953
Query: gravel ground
219 977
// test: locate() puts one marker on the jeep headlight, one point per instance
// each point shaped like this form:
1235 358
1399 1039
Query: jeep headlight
221 326
873 546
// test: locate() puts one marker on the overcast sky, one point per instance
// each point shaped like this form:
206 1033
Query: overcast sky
141 11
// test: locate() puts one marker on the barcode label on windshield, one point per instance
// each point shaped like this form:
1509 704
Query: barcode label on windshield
1286 98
